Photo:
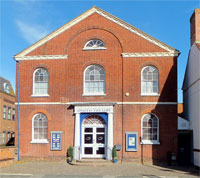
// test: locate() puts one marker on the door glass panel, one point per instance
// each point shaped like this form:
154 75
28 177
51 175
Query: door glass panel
88 138
100 151
88 150
100 138
100 129
88 129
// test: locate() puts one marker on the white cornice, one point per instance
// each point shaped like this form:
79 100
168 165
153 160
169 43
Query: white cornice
104 14
152 54
41 57
87 103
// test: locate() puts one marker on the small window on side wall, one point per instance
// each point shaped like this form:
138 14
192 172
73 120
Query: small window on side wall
149 81
40 82
150 129
94 44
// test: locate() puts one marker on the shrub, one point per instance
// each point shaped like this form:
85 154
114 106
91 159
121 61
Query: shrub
70 152
114 152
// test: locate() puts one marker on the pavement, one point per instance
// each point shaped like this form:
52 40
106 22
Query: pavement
44 169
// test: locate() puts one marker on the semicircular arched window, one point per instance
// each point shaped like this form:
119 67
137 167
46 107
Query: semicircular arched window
94 44
94 80
40 128
150 129
40 82
149 81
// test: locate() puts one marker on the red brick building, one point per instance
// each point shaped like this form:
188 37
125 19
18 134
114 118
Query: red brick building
94 83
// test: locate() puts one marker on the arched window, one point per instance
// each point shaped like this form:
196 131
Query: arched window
94 80
150 129
94 44
40 128
6 88
149 83
40 82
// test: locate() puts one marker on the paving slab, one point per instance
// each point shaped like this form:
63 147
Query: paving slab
42 169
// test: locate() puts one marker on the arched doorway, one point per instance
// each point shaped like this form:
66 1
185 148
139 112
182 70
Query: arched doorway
93 137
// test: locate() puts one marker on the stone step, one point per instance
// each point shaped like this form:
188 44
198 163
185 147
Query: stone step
92 162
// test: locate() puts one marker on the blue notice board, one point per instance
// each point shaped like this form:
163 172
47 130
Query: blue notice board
131 141
56 140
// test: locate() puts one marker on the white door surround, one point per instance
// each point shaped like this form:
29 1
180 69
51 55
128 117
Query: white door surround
78 152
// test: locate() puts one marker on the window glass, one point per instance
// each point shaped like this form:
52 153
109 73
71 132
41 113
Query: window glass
41 80
150 127
9 113
4 112
40 127
94 80
94 44
149 83
13 114
6 88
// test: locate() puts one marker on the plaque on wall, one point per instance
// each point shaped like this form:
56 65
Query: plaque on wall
56 140
131 141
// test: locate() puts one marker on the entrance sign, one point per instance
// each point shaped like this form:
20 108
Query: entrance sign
56 140
131 141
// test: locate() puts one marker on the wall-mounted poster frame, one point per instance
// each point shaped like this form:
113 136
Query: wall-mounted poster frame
131 141
56 140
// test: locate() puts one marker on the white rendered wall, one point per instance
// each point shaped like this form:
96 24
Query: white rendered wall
191 98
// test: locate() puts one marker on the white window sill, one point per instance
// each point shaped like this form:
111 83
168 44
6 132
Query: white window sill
35 96
95 94
40 141
149 94
89 49
149 142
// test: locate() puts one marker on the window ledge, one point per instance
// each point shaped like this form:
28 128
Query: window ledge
149 142
149 94
89 49
39 141
97 94
35 96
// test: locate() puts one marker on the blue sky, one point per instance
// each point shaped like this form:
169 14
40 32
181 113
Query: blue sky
23 22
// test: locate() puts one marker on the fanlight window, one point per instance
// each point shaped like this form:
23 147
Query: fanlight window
94 44
94 80
150 128
94 119
41 80
149 80
40 127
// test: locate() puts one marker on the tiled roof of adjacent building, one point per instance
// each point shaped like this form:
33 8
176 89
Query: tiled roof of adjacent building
6 87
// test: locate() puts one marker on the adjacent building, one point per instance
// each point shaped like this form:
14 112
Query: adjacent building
95 83
7 111
191 86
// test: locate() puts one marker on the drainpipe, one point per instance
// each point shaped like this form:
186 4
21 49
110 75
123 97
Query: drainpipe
18 107
18 125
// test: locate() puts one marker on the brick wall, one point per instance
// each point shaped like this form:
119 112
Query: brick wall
122 75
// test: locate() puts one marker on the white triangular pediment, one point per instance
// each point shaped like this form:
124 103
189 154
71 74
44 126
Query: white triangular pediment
104 14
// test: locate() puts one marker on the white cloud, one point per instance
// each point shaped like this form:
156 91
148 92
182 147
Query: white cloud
31 32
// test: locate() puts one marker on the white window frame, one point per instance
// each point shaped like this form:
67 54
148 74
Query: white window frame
40 95
8 136
97 93
38 140
9 113
3 137
4 112
153 93
13 114
150 142
6 88
94 48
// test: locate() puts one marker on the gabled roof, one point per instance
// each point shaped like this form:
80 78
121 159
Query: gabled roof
106 15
